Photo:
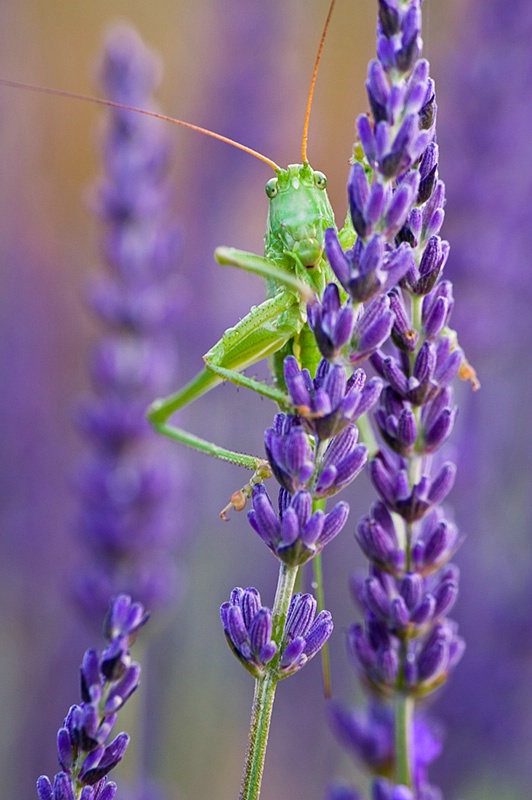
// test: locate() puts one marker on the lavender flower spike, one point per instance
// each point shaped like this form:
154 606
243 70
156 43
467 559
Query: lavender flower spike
108 679
406 646
127 481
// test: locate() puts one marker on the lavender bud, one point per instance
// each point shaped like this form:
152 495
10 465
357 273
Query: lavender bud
434 656
367 140
123 690
293 657
358 193
301 612
44 788
411 589
378 91
376 598
64 749
303 636
249 638
388 666
372 328
260 631
342 462
331 323
289 452
445 596
437 307
404 196
336 256
442 483
319 632
377 538
399 616
424 612
63 789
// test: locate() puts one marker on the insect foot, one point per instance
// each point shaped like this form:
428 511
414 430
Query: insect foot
238 500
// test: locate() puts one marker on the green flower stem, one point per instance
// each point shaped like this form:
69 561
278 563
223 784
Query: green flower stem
261 715
320 598
265 687
317 569
404 705
404 715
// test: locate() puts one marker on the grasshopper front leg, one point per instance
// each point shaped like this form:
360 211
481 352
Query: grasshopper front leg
263 331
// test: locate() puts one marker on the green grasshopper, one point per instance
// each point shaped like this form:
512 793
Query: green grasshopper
295 269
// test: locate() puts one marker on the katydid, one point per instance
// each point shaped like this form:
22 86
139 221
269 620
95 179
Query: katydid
294 267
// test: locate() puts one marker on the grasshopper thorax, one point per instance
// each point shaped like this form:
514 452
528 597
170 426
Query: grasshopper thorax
299 214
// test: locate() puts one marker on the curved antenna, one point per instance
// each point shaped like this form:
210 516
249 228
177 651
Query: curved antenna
304 158
112 104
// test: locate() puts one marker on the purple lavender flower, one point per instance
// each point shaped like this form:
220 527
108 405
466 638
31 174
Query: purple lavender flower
296 534
435 366
368 735
289 452
126 481
323 474
248 629
330 401
389 474
406 646
368 269
108 679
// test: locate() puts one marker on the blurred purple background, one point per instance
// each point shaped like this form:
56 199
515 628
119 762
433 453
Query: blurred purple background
243 69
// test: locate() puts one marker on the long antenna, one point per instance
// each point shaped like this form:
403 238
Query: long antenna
112 104
304 158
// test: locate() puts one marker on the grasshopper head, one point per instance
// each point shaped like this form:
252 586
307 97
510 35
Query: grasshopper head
299 214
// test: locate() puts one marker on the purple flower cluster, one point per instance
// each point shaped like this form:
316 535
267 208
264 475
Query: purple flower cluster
248 629
108 679
127 480
406 646
313 454
369 736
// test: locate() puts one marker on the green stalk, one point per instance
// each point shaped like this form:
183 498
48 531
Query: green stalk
317 569
403 704
320 598
404 714
259 728
265 686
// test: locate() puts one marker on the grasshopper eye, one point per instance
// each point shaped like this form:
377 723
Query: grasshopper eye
271 188
320 180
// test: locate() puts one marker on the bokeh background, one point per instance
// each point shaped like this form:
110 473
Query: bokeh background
243 68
